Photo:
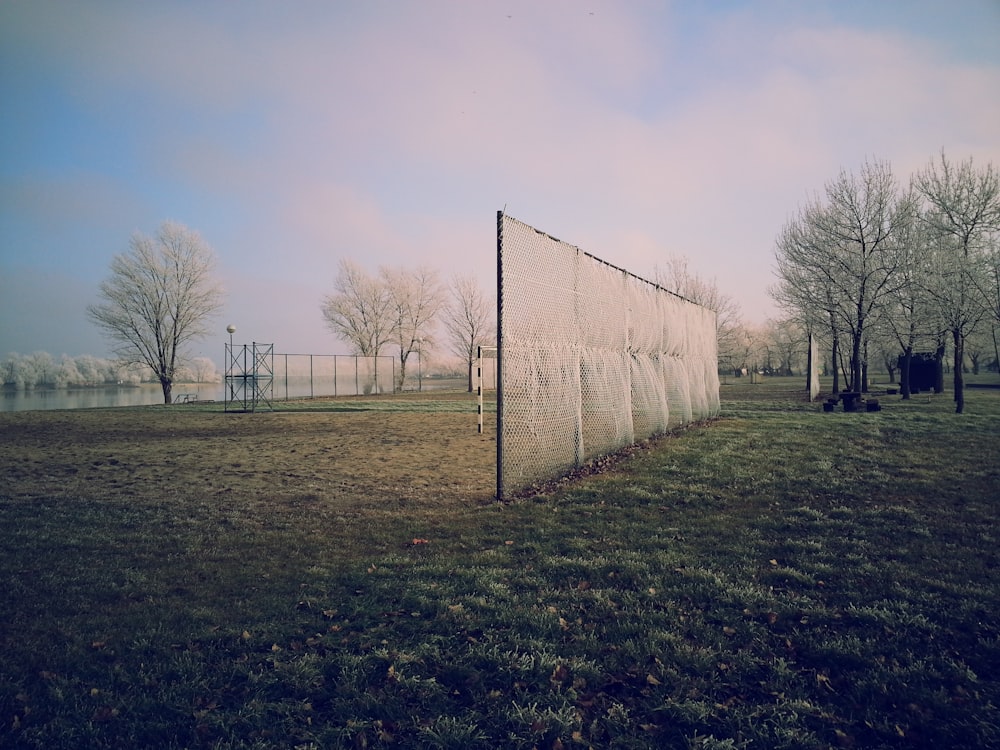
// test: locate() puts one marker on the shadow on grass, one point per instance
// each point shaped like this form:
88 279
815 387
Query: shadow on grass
780 578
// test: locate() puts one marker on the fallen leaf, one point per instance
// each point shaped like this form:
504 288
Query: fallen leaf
104 713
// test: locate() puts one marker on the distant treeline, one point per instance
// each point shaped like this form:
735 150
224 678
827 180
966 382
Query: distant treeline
42 370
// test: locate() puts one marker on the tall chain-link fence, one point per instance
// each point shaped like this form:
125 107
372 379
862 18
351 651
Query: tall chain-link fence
316 375
592 358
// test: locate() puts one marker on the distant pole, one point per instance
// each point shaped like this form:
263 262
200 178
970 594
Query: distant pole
229 393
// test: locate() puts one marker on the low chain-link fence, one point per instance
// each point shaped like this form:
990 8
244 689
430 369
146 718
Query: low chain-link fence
319 375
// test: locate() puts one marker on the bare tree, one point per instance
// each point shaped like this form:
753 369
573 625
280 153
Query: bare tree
754 347
964 215
416 297
790 343
993 296
844 253
676 276
909 318
44 366
396 307
66 372
360 311
806 294
159 297
979 347
469 320
201 370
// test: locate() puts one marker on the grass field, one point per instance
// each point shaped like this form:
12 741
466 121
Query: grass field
335 574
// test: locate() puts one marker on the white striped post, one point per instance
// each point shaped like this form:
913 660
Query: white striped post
479 386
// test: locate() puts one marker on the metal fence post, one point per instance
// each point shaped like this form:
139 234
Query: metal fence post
499 365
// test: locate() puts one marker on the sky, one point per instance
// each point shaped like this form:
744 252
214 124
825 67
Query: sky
292 135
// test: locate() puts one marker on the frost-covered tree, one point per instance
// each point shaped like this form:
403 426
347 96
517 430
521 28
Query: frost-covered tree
677 276
416 297
159 297
963 215
470 320
841 253
359 311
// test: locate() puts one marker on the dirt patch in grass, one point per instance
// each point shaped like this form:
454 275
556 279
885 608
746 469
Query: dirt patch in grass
359 459
338 576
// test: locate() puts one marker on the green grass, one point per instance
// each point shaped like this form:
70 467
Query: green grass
781 577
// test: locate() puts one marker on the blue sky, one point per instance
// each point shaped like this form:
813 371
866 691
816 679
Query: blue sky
291 135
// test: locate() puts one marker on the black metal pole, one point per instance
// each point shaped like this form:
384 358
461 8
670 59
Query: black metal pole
500 487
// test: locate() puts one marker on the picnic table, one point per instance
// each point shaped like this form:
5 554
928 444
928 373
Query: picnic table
851 400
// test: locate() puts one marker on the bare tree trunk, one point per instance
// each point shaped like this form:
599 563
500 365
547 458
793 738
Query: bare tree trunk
939 375
836 365
959 341
904 372
402 372
855 384
996 348
864 370
167 385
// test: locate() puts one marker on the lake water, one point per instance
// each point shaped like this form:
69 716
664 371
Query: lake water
151 393
88 398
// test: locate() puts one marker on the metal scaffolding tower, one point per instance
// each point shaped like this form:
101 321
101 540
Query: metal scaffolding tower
249 376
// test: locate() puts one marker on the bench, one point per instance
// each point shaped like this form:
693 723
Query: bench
185 398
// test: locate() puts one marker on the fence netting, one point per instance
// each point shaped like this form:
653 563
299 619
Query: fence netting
592 358
316 375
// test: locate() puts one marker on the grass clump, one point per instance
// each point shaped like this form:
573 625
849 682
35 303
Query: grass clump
781 577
